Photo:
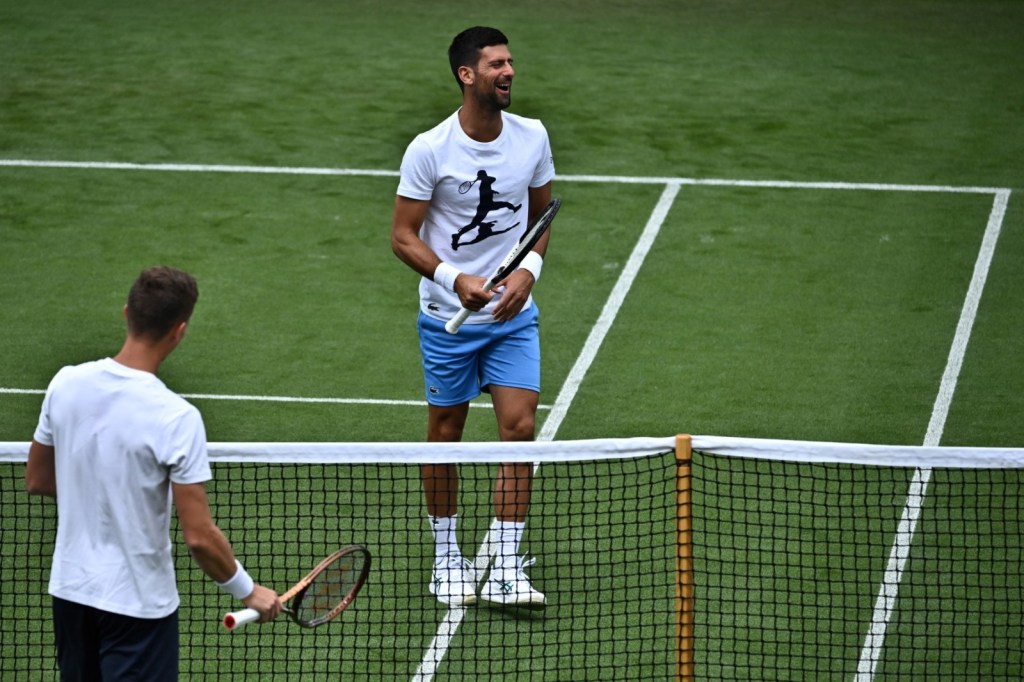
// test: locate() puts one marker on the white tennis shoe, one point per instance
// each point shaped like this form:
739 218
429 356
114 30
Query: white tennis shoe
453 580
511 587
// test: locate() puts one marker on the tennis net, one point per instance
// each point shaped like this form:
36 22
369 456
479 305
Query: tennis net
731 559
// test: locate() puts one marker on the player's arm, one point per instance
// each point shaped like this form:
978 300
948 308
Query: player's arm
211 550
540 197
41 472
406 243
519 284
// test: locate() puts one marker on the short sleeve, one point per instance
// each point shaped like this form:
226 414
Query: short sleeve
44 429
185 449
418 171
44 433
545 170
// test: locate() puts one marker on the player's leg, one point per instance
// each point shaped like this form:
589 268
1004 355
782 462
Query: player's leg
515 409
450 382
77 639
511 373
139 648
441 484
441 481
508 583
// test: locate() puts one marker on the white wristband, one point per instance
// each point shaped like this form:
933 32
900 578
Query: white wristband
241 584
533 262
445 275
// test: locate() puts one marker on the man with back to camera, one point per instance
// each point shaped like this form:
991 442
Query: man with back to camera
115 446
468 189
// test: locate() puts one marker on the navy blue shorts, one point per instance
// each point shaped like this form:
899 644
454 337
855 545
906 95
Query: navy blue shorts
94 645
457 367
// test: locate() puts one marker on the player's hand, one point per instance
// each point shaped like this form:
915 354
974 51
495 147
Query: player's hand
266 601
470 289
515 290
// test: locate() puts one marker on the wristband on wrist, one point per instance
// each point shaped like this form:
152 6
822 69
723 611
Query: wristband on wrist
533 262
241 583
445 275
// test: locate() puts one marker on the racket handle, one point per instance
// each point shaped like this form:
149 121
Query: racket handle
237 619
452 325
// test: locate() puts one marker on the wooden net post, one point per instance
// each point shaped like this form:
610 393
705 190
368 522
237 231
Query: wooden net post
684 560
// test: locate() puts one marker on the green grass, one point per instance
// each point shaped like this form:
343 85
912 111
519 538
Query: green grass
782 313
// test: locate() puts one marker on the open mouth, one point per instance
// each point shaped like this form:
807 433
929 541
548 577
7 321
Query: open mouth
504 87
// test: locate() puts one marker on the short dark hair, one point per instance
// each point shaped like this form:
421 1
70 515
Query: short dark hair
465 47
160 298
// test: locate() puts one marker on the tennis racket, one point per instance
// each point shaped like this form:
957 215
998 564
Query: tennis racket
513 259
324 593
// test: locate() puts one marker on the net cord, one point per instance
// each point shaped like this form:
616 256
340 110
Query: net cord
908 456
911 456
418 452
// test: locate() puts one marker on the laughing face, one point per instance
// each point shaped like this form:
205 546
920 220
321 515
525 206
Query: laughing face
492 82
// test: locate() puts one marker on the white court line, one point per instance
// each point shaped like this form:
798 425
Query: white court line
439 645
885 603
282 399
194 168
608 314
613 179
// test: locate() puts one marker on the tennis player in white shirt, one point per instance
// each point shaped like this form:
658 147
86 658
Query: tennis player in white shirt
116 447
468 189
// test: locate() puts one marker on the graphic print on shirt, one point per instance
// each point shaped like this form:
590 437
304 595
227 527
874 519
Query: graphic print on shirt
484 228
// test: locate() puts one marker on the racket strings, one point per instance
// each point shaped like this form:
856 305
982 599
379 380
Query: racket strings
329 590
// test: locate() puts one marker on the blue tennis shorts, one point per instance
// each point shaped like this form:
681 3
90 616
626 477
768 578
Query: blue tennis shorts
458 367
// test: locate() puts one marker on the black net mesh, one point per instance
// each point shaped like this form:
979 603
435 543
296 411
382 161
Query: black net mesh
802 572
827 571
601 533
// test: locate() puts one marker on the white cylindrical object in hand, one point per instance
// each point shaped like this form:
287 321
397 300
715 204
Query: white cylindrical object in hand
237 619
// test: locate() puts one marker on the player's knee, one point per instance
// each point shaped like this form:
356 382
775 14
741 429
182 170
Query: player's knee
519 429
446 426
446 433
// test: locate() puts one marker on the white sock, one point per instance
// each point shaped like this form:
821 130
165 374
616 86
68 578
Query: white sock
445 542
507 536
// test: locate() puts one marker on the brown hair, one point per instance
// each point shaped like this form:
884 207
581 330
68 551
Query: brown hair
160 298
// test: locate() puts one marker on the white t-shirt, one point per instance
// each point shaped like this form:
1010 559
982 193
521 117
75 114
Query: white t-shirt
479 198
120 436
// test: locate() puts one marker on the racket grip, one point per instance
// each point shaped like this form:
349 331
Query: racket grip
237 619
452 325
